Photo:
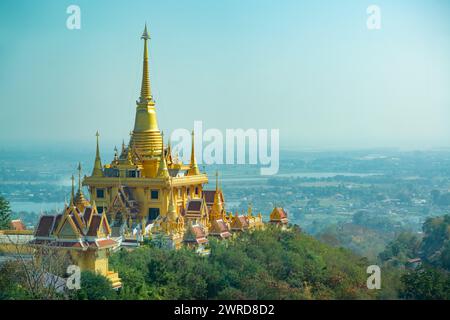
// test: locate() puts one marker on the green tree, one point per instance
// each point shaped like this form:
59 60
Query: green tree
398 251
426 283
94 287
5 214
436 242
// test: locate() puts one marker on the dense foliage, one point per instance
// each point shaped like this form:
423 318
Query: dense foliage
266 264
426 283
405 246
5 213
436 242
431 280
12 282
93 287
269 264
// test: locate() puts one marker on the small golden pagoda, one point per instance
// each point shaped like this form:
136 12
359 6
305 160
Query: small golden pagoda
79 200
169 229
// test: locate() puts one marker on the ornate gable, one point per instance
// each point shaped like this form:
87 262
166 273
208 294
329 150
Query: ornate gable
278 215
68 229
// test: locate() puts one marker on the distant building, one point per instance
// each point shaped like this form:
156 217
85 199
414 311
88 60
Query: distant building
413 263
279 217
17 225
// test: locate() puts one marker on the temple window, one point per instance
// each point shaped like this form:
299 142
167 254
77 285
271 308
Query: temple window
100 193
153 213
154 194
100 209
132 173
196 191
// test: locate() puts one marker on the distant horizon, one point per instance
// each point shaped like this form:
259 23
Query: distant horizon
108 148
311 69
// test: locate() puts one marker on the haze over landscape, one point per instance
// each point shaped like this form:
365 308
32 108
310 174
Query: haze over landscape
312 69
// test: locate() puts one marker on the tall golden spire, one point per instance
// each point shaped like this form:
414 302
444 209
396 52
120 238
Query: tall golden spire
146 93
72 195
146 134
163 172
97 171
169 158
79 176
217 181
217 207
193 167
171 211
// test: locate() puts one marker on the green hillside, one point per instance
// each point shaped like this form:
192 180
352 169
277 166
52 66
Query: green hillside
269 264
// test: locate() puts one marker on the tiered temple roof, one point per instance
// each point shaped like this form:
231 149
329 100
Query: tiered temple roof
84 234
279 216
74 229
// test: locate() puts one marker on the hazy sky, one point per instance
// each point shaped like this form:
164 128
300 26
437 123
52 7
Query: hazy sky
310 68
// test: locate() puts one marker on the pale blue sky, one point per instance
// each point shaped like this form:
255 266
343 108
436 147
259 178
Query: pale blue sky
310 68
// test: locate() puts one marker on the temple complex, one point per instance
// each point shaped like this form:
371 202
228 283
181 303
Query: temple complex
144 193
147 192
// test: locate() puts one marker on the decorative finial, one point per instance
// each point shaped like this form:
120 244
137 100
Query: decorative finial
193 170
73 191
146 97
162 169
116 156
97 170
217 180
79 176
145 34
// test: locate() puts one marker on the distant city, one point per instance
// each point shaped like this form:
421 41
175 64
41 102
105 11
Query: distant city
375 193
